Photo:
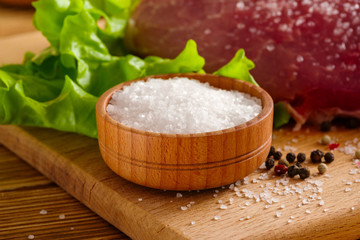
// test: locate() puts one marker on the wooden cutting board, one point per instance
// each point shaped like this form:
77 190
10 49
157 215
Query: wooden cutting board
75 164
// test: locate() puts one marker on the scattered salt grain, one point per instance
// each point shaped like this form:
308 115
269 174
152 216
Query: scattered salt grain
347 189
62 216
71 228
278 214
289 221
43 212
352 208
308 211
183 208
140 199
217 218
181 105
192 222
31 236
321 203
222 206
178 195
325 210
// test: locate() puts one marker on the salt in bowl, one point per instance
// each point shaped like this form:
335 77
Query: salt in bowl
186 161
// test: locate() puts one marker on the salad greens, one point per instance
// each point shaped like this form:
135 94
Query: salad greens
59 87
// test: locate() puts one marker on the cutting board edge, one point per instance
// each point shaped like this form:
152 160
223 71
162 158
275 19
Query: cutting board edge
13 136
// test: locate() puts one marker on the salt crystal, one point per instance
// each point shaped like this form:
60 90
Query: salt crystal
347 189
278 214
217 218
62 216
183 208
352 208
181 105
192 222
31 236
325 210
220 201
43 212
308 211
321 203
238 183
178 195
289 221
140 199
215 195
222 206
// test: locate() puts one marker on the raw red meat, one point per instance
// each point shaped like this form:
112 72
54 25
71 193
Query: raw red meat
306 52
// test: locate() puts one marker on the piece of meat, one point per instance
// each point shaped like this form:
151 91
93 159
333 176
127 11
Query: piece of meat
306 52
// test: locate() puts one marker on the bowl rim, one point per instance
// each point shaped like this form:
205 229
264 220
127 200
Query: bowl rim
103 101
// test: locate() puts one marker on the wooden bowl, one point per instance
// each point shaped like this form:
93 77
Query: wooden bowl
186 161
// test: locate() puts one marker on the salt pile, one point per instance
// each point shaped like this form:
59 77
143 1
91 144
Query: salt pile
182 106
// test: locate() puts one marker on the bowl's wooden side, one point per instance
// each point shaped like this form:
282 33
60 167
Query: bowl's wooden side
187 161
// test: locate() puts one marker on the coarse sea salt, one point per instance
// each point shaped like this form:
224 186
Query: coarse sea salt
181 106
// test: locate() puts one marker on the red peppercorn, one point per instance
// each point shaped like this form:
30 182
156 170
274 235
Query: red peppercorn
332 146
280 169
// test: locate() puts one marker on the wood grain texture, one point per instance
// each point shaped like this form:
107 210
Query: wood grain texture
186 161
74 162
24 192
14 21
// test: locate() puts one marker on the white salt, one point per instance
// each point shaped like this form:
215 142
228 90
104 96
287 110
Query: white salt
183 208
182 106
62 216
43 212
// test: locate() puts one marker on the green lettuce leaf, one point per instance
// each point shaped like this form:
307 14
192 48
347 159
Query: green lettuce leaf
59 87
281 115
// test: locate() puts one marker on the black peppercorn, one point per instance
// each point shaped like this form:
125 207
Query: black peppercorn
277 155
329 157
290 157
298 164
272 151
269 163
316 156
325 126
293 170
301 157
304 172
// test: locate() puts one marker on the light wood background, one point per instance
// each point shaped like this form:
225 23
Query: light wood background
24 192
74 162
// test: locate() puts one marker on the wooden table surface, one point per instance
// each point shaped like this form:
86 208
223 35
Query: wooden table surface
24 192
